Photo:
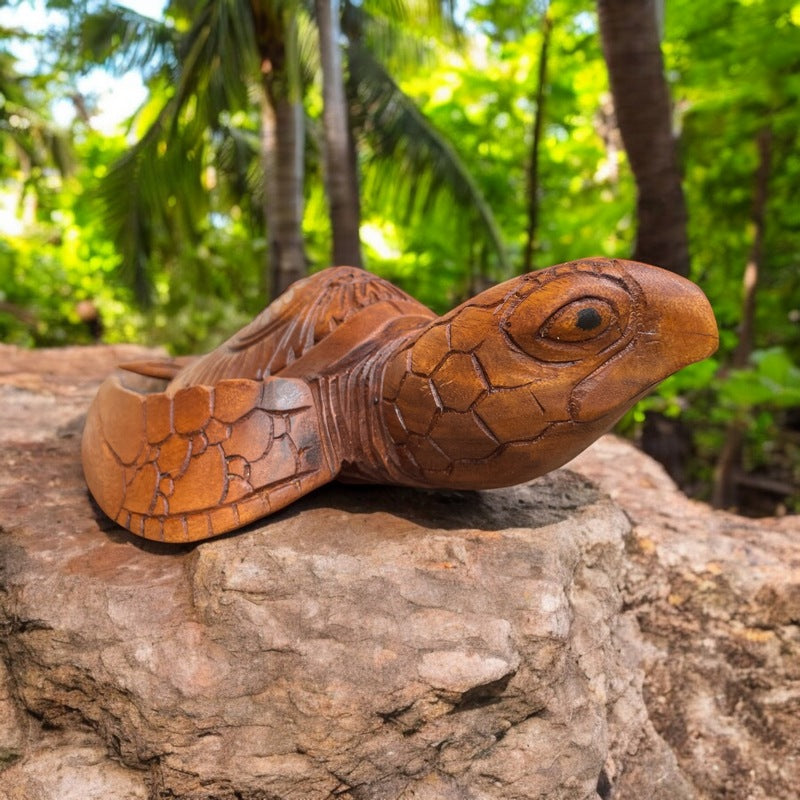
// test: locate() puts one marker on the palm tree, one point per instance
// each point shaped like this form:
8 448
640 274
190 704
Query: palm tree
235 51
341 179
282 140
204 76
540 99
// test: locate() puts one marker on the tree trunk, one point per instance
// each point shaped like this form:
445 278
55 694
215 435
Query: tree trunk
629 30
341 180
730 458
282 145
750 280
282 142
533 164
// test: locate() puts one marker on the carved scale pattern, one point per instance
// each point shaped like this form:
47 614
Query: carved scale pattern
453 397
251 447
346 376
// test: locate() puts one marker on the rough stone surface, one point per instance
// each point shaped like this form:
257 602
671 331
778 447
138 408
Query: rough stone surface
716 599
12 721
375 643
70 767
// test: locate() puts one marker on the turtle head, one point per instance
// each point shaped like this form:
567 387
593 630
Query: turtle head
521 378
592 337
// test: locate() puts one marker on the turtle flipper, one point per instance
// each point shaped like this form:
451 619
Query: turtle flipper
205 461
300 318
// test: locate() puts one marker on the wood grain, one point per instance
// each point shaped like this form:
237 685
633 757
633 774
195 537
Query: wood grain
346 376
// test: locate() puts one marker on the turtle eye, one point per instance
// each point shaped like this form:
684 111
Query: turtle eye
579 321
572 317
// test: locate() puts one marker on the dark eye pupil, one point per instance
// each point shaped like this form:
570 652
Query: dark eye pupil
588 319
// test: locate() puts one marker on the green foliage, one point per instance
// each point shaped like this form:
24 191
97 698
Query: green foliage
61 260
444 123
402 142
773 381
734 68
481 99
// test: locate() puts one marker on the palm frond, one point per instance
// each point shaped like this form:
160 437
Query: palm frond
422 15
157 185
307 47
390 32
132 199
238 165
34 136
416 162
122 40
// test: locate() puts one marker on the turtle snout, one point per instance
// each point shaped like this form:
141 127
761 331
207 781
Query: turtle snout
675 327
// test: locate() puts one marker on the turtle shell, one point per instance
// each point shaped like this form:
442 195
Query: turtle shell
181 450
347 376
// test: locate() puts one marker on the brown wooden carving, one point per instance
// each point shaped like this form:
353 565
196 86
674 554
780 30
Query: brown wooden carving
345 376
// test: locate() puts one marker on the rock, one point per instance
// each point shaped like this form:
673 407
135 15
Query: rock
372 642
716 598
70 767
12 722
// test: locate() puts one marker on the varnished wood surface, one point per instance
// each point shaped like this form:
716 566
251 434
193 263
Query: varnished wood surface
347 376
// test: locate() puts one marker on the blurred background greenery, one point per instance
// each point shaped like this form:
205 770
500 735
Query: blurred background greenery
445 147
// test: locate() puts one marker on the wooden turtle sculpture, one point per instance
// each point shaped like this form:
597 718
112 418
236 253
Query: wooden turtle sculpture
346 376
